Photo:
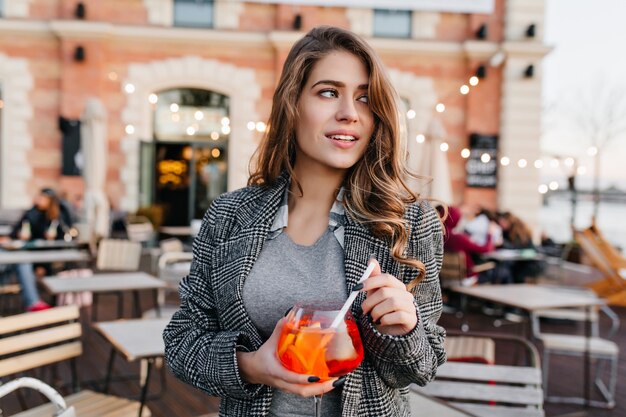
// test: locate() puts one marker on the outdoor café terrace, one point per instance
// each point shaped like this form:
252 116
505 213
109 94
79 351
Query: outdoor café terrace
127 291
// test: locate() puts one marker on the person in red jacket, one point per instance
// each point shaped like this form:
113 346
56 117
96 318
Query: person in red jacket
460 242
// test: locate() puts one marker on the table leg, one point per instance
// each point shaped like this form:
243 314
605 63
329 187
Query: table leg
94 306
157 305
120 304
136 306
107 381
587 362
144 389
464 323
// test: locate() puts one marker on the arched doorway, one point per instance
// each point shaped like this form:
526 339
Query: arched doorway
185 167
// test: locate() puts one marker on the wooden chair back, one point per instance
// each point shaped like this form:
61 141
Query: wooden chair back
453 269
614 256
31 340
598 258
491 389
118 255
139 228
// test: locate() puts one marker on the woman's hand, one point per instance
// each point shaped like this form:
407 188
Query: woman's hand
389 303
264 367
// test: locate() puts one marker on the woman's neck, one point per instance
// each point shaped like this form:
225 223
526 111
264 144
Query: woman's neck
309 210
319 187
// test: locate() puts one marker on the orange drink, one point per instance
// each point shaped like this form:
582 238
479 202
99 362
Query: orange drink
308 345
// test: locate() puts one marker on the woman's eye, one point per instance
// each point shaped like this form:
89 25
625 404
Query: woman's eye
328 93
364 99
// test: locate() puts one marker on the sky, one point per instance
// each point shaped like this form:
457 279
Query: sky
588 37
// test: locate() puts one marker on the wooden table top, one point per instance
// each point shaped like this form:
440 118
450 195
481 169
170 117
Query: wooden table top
103 282
177 230
43 256
135 339
531 297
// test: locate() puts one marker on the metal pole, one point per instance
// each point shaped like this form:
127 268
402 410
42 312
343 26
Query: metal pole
596 186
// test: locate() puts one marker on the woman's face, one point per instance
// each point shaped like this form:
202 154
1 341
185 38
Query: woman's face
42 202
335 123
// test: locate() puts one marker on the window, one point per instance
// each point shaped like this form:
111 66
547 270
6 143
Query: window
193 13
392 23
1 8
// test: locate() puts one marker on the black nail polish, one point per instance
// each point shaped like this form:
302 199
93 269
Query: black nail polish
377 322
313 379
287 312
339 383
358 287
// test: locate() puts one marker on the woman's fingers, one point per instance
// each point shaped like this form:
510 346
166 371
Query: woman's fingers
387 306
307 390
400 297
289 377
382 280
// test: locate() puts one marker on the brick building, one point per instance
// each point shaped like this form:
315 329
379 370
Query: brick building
187 84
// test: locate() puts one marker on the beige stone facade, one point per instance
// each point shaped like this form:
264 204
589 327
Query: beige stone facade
134 42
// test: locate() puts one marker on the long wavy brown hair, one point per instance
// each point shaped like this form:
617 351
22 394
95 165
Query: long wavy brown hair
376 193
518 232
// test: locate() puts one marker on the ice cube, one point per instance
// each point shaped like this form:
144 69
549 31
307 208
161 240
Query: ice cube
340 348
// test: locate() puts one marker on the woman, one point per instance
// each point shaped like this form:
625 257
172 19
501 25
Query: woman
517 235
460 242
45 221
326 194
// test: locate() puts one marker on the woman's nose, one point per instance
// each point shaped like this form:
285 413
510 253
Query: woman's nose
347 111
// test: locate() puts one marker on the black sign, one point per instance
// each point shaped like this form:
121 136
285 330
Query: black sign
70 128
480 170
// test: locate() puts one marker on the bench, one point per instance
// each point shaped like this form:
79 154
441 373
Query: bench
32 340
489 390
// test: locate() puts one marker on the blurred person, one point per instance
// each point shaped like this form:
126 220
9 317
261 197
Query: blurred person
479 224
517 235
45 220
455 241
326 193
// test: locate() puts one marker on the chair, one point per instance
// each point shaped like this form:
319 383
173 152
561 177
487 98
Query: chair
454 270
139 229
116 255
10 296
602 350
615 257
172 267
608 262
489 390
470 349
32 340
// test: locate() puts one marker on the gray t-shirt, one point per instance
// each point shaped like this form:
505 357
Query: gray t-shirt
286 273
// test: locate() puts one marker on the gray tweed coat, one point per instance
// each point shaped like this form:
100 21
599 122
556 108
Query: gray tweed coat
202 337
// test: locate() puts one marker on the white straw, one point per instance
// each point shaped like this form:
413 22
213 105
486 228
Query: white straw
352 297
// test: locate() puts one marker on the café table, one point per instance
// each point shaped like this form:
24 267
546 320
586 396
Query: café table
532 297
135 340
502 255
183 231
43 256
107 282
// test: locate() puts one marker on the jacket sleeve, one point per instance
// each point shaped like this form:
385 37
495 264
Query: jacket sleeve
197 350
18 226
414 357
